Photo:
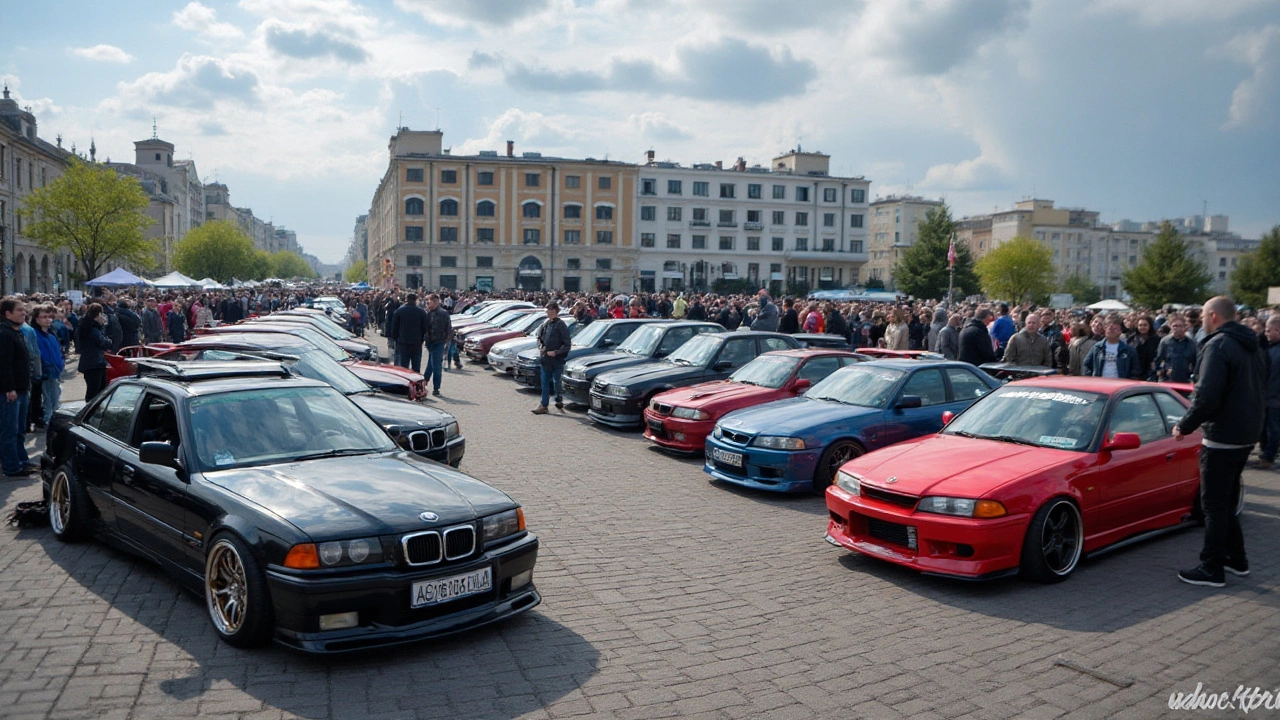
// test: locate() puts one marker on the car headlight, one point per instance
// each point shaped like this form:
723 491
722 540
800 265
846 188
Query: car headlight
452 430
777 442
961 507
715 432
618 391
335 553
849 482
503 352
690 413
575 374
496 527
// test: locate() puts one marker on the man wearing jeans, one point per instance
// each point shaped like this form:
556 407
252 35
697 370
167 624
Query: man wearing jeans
15 382
1229 402
553 348
439 333
408 325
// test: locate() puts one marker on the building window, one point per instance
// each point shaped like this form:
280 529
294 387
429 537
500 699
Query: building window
573 264
448 261
449 282
448 234
1222 262
775 268
829 195
753 243
802 244
726 217
673 241
449 208
726 242
779 217
855 221
828 219
702 189
484 235
413 175
828 244
572 237
727 190
777 244
675 187
532 179
648 213
573 284
802 193
484 261
532 236
604 263
857 195
604 212
485 208
779 192
648 186
413 281
604 182
699 242
449 177
413 206
802 219
484 177
604 284
413 233
573 181
604 237
573 212
531 210
675 214
646 240
699 215
413 260
753 216
754 191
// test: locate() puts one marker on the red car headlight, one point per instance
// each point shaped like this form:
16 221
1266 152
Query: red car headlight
961 507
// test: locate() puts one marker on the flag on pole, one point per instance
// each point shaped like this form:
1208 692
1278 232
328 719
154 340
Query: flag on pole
951 252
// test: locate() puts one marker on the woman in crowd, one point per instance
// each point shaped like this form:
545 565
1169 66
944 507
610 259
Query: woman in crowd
898 335
93 343
1081 343
1146 341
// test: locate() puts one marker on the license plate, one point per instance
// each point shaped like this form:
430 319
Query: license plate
434 592
596 403
655 425
728 458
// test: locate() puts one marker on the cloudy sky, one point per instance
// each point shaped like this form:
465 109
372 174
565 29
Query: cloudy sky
1140 109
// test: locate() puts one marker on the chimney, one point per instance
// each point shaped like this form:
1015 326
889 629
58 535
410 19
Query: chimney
649 156
741 165
511 148
719 165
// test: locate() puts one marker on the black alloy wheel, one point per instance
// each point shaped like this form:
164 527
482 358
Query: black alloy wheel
837 454
1054 542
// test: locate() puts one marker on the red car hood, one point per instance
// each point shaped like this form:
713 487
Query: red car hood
366 366
721 395
953 466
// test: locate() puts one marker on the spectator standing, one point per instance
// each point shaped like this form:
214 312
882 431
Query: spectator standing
1028 347
1083 338
35 371
408 326
152 325
940 321
1229 404
975 340
553 347
439 334
130 323
1147 343
789 322
1003 328
176 322
949 337
15 383
51 363
696 310
1112 357
767 317
92 342
917 331
1176 353
835 323
898 335
1271 430
114 330
393 304
679 307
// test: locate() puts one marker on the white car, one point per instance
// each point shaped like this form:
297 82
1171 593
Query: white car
502 356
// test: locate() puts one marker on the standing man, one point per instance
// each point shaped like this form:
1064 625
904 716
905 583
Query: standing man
553 348
949 337
767 319
1176 353
1229 403
408 326
439 335
679 307
1003 329
1271 433
1113 357
1029 347
152 326
15 383
975 341
789 323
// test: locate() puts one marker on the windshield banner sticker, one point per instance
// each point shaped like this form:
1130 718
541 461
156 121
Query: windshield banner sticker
1053 396
1060 442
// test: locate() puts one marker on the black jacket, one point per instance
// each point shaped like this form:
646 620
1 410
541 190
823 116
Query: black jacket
554 336
114 331
91 342
408 325
439 327
1231 387
789 322
130 327
975 344
152 327
15 361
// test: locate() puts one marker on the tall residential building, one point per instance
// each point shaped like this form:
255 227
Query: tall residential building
494 221
176 195
895 226
358 250
265 235
790 225
27 164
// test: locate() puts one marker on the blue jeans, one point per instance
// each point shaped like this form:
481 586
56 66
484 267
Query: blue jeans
549 376
51 388
409 356
453 357
13 434
1271 435
435 363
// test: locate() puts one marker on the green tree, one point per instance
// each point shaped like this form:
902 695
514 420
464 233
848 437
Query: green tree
286 264
922 269
1167 273
219 250
1081 288
260 266
358 272
1020 269
1258 271
93 212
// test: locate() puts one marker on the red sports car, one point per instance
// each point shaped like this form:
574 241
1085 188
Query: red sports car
1030 478
681 419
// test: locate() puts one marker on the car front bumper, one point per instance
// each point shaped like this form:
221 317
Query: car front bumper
969 548
762 469
530 375
677 433
502 363
615 411
577 392
382 601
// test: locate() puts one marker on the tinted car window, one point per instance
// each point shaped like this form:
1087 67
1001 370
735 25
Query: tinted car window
157 422
773 343
818 368
117 416
1138 414
1171 409
674 338
928 385
965 385
618 333
737 352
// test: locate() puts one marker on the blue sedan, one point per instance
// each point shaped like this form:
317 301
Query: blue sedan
798 444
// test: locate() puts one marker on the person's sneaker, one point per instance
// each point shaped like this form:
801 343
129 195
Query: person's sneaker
1239 568
1200 576
24 472
436 393
540 410
559 404
1264 464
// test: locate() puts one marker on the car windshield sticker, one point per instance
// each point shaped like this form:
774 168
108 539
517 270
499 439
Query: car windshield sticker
1054 441
1054 396
223 457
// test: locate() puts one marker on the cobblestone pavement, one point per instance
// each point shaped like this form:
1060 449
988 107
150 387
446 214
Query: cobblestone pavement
665 596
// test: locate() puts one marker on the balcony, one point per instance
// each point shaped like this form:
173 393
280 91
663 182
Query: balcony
753 226
699 223
724 224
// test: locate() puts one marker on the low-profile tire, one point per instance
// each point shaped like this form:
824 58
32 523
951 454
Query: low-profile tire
1054 542
235 591
68 506
836 454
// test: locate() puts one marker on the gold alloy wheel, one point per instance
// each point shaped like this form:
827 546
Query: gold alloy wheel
226 588
60 502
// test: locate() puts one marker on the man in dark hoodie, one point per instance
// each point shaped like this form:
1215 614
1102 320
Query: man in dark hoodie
935 327
789 322
130 324
1230 404
15 383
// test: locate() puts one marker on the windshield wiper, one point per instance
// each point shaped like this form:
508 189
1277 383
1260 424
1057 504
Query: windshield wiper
749 382
964 433
337 452
681 361
1010 439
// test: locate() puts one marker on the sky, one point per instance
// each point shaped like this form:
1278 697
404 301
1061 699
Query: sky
1140 109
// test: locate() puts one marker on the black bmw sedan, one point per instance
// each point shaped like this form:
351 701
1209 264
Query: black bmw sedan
651 342
598 337
619 398
292 513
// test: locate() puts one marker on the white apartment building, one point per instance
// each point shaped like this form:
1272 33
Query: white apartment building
894 227
782 227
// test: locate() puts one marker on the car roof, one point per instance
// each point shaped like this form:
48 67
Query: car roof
812 352
260 340
211 377
911 364
1087 383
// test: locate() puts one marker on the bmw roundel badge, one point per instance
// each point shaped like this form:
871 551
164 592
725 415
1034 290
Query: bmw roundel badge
428 516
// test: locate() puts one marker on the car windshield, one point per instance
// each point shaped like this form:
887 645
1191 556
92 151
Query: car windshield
857 385
507 317
591 335
1048 417
643 341
327 326
766 371
697 351
529 322
316 338
263 426
492 312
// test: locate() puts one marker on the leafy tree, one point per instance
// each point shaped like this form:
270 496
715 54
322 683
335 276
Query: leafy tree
359 271
1167 273
260 266
1081 288
1020 269
93 212
1258 271
288 264
218 249
922 269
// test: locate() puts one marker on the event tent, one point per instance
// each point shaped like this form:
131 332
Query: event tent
117 278
1114 305
175 279
211 284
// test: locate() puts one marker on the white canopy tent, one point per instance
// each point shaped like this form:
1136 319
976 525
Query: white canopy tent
1112 305
175 279
211 284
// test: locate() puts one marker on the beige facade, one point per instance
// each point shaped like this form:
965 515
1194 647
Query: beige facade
265 235
500 221
894 227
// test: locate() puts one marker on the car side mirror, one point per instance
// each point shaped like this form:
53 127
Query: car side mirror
909 401
801 384
947 417
159 453
1122 441
722 365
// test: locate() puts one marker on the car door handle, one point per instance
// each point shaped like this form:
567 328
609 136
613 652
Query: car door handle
80 448
1170 456
127 472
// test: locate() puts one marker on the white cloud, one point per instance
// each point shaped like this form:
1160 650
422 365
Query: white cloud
497 13
1256 100
657 126
202 19
528 129
1164 12
103 53
198 81
930 37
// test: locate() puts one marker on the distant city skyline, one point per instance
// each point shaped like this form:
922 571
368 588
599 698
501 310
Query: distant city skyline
1138 110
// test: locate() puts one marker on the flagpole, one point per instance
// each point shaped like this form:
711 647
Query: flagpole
951 268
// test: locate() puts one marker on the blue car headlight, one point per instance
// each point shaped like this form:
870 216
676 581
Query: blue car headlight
778 442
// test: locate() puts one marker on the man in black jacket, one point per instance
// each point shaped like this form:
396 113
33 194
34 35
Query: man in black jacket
439 333
1229 404
976 347
15 383
130 324
553 347
408 325
789 321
